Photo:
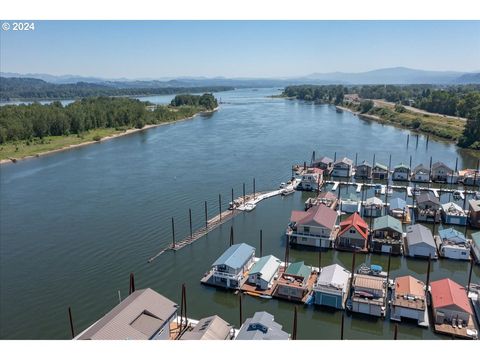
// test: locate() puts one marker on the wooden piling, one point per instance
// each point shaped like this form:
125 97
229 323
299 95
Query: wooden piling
220 206
206 216
342 326
173 234
319 259
190 222
132 284
254 188
294 331
356 159
233 205
428 272
70 317
231 236
261 243
335 156
416 145
244 194
240 308
470 275
395 332
408 139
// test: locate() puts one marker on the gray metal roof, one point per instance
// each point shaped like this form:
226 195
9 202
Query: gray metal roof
419 234
334 275
138 317
209 328
261 327
426 196
235 256
266 266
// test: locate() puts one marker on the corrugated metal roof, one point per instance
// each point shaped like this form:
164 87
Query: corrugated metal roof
137 317
421 168
209 328
408 285
418 234
334 275
452 235
235 256
261 326
427 196
398 204
319 215
447 292
344 160
266 266
402 166
373 201
387 222
474 204
368 282
356 221
380 166
476 238
438 164
299 269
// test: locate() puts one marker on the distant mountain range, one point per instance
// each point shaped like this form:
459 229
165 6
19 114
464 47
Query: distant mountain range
396 75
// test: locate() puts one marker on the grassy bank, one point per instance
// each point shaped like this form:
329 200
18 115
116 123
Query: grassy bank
439 126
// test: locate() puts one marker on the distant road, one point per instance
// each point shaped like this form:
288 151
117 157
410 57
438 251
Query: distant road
415 110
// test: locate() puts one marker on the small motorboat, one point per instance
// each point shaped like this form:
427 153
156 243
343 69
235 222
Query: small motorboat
287 191
282 185
249 206
264 296
457 195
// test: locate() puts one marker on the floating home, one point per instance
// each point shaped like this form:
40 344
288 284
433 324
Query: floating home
408 300
452 244
343 168
314 227
401 172
474 213
369 295
327 198
380 172
387 235
324 163
210 328
373 207
453 214
295 283
363 171
427 208
420 242
350 204
441 172
264 272
475 298
399 210
331 288
452 312
262 326
420 173
229 269
143 315
353 234
470 177
311 180
476 246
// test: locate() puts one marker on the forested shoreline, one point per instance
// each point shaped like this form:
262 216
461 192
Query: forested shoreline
36 121
460 100
27 89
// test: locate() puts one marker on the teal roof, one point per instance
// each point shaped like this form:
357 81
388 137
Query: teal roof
476 238
401 166
298 269
387 221
381 166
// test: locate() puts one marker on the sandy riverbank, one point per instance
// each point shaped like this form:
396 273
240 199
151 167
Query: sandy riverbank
373 117
127 132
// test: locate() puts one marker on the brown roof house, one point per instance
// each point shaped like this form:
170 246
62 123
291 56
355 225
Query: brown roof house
143 315
409 300
314 227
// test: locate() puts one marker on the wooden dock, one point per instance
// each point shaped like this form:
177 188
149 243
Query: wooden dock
237 206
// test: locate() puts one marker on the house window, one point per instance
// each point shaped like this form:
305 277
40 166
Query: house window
352 231
304 239
306 229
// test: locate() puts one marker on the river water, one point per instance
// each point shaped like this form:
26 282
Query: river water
73 225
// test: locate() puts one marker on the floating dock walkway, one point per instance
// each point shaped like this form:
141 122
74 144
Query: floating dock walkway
239 204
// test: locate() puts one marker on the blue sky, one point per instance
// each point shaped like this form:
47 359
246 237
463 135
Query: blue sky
155 49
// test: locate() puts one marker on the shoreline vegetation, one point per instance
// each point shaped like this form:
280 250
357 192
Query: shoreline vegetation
183 107
463 131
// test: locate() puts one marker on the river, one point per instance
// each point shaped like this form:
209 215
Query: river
74 224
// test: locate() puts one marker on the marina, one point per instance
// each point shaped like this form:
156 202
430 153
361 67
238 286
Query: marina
127 219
